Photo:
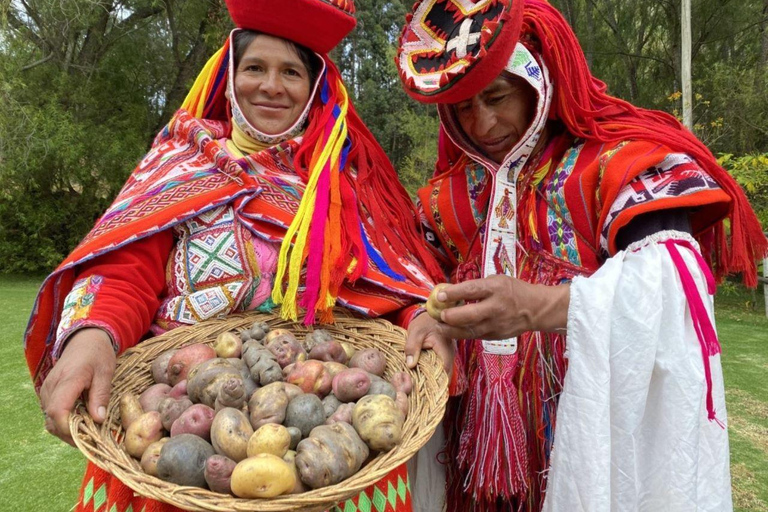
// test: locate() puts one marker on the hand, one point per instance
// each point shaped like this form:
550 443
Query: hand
86 365
502 307
423 333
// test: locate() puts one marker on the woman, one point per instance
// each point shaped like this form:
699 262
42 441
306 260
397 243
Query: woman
265 188
573 225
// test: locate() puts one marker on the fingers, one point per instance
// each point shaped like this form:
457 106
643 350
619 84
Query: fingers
474 289
58 406
98 395
417 331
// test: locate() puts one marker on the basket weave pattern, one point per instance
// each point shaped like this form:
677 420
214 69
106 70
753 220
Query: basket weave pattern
103 444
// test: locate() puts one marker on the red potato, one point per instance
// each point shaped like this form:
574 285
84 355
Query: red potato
196 420
312 377
151 397
143 432
343 414
351 384
187 358
328 351
228 344
159 367
402 382
179 390
401 401
170 409
370 360
218 473
130 409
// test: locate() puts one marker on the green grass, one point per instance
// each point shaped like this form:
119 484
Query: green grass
38 472
41 473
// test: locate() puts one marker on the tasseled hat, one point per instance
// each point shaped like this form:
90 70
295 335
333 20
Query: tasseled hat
328 240
451 50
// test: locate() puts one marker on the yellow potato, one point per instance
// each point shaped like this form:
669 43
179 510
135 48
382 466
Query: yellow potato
270 438
434 306
262 476
150 456
144 431
130 409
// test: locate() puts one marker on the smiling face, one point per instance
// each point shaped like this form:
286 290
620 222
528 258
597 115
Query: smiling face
497 118
272 84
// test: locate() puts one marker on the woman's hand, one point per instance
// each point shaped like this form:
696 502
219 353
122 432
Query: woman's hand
424 333
87 364
502 307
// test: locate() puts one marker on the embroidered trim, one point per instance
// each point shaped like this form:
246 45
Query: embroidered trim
76 312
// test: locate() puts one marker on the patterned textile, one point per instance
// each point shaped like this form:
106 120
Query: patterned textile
76 311
101 492
572 187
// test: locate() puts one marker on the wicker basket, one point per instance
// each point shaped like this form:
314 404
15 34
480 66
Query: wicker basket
103 444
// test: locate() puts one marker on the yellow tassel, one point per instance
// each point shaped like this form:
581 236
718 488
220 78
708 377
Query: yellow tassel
194 103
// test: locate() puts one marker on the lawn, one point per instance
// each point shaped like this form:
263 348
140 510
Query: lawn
41 473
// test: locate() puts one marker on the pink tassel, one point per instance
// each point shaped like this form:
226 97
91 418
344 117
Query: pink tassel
493 451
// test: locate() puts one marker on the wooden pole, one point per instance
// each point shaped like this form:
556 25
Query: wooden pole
685 65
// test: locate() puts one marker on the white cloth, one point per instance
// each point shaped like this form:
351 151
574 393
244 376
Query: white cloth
427 475
632 430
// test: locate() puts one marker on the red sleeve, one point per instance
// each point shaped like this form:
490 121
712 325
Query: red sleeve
119 292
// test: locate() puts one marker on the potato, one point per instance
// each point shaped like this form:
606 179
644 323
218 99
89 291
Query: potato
378 421
343 413
248 382
381 387
258 330
152 396
401 401
151 455
315 337
305 412
312 377
330 404
218 473
292 390
170 409
370 360
334 368
434 306
262 363
285 347
290 458
402 381
182 460
196 420
179 390
187 358
295 434
270 438
351 384
348 349
262 476
328 351
130 409
228 344
144 431
230 432
268 405
206 380
231 394
159 367
330 454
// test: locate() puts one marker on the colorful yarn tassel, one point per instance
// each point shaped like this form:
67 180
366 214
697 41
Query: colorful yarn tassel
305 240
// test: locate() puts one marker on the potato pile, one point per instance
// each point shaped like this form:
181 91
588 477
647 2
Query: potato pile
262 414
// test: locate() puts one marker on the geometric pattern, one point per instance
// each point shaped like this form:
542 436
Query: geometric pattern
390 494
558 217
678 175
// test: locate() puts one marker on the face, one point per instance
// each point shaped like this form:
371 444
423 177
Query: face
497 118
271 84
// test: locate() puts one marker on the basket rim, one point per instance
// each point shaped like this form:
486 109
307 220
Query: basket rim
101 444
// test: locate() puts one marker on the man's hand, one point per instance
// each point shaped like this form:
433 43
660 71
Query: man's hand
424 333
86 366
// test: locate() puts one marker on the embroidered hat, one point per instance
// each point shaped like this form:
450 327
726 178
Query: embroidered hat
317 24
452 49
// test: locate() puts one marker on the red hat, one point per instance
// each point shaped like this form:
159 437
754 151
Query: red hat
317 24
452 49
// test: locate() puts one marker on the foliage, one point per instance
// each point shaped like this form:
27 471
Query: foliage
751 171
